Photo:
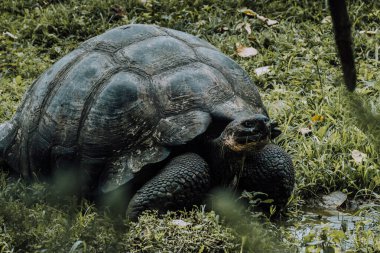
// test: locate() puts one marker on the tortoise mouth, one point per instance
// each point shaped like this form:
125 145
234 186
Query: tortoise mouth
249 143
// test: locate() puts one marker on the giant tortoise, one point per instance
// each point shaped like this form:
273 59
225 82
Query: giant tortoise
154 113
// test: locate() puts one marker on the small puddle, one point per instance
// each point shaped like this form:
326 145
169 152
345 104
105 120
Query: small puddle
325 230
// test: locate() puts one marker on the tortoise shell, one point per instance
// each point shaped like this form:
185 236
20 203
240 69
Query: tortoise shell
125 99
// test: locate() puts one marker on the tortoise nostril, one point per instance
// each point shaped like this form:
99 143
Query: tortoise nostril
262 118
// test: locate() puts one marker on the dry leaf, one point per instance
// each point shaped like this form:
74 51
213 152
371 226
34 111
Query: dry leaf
180 223
244 25
305 131
251 13
317 118
326 20
248 12
240 26
369 32
358 156
271 22
247 27
10 35
334 199
246 51
268 21
262 70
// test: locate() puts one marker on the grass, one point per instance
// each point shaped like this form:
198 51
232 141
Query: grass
302 90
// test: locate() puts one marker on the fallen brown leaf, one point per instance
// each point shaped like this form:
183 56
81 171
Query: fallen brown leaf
317 118
10 35
247 27
251 13
243 51
268 21
326 20
248 12
358 156
240 26
369 32
305 131
262 70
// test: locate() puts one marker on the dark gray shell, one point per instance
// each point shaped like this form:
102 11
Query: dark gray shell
123 99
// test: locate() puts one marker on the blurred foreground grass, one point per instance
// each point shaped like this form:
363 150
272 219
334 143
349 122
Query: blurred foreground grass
302 91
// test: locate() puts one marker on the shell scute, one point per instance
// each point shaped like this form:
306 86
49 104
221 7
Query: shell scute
155 54
190 87
179 129
122 115
188 39
122 36
64 111
237 77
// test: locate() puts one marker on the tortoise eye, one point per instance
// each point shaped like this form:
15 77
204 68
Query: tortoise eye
249 123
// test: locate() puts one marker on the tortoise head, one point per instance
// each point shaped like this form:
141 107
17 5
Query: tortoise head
249 133
246 160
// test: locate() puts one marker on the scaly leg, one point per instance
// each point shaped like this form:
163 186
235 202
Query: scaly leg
269 170
182 183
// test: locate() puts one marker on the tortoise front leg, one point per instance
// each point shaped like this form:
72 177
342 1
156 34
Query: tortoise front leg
269 170
182 183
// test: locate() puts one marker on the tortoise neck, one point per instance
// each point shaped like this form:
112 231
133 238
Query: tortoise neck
220 150
219 156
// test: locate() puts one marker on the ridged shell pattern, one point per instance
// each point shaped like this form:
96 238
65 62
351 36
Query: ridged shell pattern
123 99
